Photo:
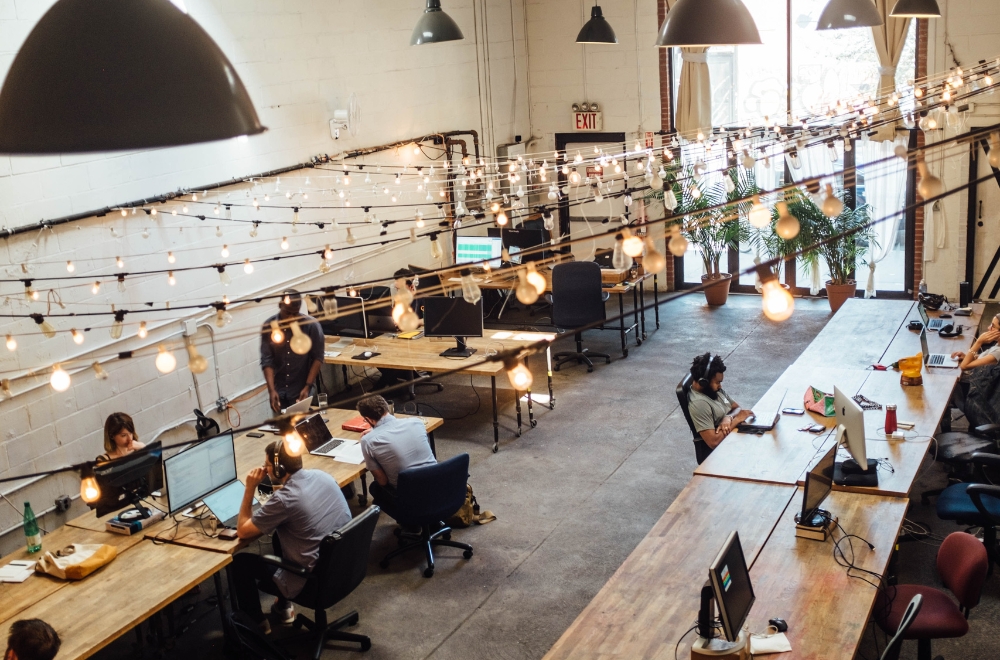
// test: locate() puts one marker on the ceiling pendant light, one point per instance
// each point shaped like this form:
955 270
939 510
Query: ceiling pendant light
435 26
843 14
77 85
597 30
916 9
695 23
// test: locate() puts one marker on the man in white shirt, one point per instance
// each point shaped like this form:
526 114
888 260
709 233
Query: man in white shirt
391 446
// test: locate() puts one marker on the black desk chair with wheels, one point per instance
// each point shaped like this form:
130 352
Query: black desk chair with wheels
425 497
955 450
577 300
342 565
964 503
701 448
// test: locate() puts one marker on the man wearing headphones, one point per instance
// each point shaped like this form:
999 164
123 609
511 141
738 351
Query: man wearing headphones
306 507
713 412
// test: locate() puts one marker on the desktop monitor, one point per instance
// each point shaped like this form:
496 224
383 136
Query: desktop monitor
859 470
516 240
819 482
350 324
476 249
453 317
128 480
729 586
199 470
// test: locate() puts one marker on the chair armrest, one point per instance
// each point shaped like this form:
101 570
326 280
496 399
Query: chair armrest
990 431
976 493
982 458
286 565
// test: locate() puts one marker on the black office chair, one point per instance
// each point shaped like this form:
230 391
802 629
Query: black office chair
701 448
892 649
428 496
342 565
577 300
963 503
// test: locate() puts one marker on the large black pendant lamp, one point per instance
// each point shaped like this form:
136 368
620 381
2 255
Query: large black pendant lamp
435 26
916 9
109 75
708 23
597 30
843 14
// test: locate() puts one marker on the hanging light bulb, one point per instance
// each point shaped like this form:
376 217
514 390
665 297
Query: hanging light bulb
519 375
121 284
301 343
142 333
225 252
70 267
222 317
99 372
350 237
502 219
118 325
526 292
165 360
678 244
47 329
619 259
11 343
832 206
330 306
60 380
631 245
930 186
436 253
654 261
760 215
224 276
277 336
284 242
535 278
29 292
470 290
197 363
96 288
90 492
171 259
419 219
777 301
171 280
119 262
787 226
548 221
294 444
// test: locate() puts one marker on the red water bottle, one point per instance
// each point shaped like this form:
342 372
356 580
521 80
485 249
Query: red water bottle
890 419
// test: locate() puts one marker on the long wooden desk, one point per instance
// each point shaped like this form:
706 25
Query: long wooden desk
858 335
424 355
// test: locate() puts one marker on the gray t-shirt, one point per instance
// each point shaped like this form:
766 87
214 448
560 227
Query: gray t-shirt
706 412
993 351
307 509
395 445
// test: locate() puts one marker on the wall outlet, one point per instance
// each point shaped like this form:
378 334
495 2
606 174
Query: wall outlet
221 404
62 504
189 327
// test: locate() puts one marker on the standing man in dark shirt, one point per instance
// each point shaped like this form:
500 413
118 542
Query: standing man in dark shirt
290 377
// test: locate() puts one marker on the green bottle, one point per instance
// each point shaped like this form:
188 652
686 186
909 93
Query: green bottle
31 533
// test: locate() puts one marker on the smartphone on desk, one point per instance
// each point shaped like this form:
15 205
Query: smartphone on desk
793 411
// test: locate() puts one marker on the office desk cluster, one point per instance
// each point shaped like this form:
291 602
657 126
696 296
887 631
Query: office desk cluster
92 613
753 484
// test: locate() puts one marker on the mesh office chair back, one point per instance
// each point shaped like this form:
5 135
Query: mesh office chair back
577 296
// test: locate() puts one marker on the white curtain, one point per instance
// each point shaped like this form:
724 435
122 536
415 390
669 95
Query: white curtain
890 37
694 96
885 191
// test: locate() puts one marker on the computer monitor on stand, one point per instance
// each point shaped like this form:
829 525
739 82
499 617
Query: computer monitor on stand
819 483
453 317
128 480
728 589
859 470
354 324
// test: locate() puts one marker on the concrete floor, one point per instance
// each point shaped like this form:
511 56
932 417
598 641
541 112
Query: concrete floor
573 497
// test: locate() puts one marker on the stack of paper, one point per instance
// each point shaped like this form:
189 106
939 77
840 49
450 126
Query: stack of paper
349 452
17 571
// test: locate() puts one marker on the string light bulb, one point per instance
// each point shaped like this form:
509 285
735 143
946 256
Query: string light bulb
301 343
677 244
121 284
470 290
60 380
502 219
620 260
277 336
222 316
253 230
350 237
47 329
96 288
526 292
99 372
197 363
165 360
171 259
631 245
171 280
519 375
11 343
654 261
118 325
225 252
70 267
436 253
119 262
787 226
294 444
77 336
760 215
548 222
930 186
776 301
284 242
224 276
90 492
247 266
832 205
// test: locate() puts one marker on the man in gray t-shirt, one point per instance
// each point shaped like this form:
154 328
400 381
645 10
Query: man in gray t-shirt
713 412
306 507
391 446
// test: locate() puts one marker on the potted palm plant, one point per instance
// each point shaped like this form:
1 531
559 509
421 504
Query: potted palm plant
845 240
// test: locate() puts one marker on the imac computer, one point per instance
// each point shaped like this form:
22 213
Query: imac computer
729 589
859 470
128 480
476 249
353 324
453 317
819 482
199 471
516 240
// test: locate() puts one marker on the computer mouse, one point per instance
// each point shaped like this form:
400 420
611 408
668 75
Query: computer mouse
945 316
779 624
367 354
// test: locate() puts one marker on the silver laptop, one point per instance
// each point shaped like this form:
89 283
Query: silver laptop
225 503
764 420
316 434
939 360
300 407
929 323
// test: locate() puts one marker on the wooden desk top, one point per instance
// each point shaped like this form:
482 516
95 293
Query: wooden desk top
91 613
799 581
16 597
784 453
419 354
654 596
858 334
505 282
907 342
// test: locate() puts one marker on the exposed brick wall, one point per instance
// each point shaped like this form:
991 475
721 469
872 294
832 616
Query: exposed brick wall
918 225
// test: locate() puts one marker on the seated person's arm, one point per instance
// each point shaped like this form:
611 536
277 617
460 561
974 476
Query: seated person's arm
974 358
245 527
371 463
704 424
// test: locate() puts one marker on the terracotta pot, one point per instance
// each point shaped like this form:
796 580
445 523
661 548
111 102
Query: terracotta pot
838 294
718 292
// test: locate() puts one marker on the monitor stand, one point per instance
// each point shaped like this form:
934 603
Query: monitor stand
849 473
460 351
137 512
708 644
818 518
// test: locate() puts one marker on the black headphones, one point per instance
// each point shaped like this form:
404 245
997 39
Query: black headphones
279 469
703 381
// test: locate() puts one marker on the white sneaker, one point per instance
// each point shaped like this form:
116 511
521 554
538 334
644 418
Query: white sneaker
285 613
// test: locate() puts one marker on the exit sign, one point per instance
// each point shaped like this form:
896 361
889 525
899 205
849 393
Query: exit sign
588 121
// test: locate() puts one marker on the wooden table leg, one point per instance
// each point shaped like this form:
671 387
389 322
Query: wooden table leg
496 421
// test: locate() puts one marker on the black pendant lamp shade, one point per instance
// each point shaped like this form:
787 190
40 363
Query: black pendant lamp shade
597 30
916 9
109 75
435 26
843 14
708 23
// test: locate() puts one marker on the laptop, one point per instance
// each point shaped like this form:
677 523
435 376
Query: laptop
929 323
316 434
763 421
300 407
939 360
225 503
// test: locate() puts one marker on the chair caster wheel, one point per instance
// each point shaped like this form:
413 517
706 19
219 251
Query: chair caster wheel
638 342
353 621
467 554
607 360
384 564
496 449
590 370
534 423
428 572
446 537
555 368
366 645
518 434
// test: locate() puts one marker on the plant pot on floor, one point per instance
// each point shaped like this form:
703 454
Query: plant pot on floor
838 294
717 288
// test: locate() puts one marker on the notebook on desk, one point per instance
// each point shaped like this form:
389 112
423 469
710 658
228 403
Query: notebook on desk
764 420
356 424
